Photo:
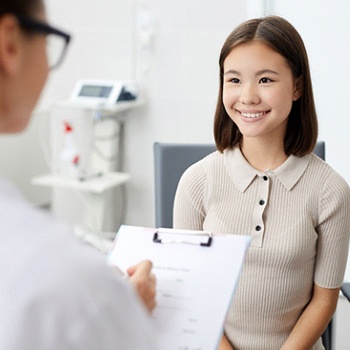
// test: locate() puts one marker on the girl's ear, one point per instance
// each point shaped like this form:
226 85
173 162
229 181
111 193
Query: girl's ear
10 45
298 88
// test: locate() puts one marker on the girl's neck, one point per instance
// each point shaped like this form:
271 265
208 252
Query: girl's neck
263 155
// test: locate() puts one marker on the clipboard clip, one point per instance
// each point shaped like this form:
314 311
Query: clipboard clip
206 243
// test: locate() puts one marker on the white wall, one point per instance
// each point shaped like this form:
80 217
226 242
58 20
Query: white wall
102 44
325 27
342 325
22 157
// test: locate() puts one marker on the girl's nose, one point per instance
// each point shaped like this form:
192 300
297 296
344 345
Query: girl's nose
248 95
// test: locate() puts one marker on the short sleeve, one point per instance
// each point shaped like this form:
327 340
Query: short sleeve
333 232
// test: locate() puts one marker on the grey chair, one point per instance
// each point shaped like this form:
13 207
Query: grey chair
170 161
346 290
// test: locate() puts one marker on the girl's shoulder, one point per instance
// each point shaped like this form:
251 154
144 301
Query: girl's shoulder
326 175
207 164
197 173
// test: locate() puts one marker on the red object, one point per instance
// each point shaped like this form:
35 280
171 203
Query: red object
67 127
76 160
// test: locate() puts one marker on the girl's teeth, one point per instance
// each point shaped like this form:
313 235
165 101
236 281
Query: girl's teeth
252 115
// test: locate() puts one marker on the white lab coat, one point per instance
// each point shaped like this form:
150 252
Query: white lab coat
56 293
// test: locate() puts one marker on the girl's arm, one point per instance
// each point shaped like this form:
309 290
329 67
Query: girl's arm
224 344
314 319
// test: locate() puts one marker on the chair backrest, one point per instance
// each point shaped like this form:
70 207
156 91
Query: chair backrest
320 150
170 162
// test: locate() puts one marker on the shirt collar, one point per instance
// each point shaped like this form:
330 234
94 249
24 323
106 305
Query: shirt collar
242 173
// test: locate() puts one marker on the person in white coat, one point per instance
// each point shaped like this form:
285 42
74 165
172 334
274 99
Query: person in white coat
55 292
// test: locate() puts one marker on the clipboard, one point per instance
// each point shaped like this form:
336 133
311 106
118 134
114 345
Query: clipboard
197 273
158 234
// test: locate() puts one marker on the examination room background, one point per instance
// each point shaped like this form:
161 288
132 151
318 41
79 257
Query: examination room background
179 72
181 79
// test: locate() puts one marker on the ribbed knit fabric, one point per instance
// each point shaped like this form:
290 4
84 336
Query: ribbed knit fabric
299 218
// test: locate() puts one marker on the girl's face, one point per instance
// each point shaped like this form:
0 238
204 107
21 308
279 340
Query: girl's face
258 90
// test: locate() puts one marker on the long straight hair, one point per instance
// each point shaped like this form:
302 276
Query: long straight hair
302 127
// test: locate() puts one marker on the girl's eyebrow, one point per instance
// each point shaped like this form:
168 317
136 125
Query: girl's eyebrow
231 71
264 71
260 72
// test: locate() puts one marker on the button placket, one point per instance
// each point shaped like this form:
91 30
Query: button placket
259 208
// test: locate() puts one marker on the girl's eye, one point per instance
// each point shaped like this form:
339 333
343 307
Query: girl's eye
235 81
265 80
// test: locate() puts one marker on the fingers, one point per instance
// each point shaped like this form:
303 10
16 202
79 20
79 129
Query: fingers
144 282
150 294
144 267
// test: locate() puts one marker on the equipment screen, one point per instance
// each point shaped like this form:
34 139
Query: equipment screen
95 91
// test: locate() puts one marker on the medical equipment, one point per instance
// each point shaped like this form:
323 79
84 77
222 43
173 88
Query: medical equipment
93 195
104 93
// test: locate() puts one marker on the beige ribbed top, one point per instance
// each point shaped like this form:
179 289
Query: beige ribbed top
299 218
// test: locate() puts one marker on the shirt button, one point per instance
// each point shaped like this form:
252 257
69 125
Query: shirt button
261 202
265 178
258 228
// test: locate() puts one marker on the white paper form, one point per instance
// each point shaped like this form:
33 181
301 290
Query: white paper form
195 284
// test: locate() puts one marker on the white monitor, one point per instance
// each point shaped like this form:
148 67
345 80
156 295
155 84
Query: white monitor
99 92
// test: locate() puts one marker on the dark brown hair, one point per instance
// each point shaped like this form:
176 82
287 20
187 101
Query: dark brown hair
281 36
21 7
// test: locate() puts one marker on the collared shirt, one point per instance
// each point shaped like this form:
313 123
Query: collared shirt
243 175
298 217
